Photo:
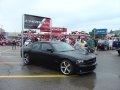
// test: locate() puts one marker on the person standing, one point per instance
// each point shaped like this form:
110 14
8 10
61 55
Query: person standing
68 40
110 43
14 44
82 43
91 45
95 44
77 44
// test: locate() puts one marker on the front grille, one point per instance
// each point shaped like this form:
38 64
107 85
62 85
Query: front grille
90 61
88 69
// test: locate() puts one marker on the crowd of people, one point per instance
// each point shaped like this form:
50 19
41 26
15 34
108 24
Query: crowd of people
89 43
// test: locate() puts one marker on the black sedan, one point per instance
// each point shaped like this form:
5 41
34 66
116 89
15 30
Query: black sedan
59 54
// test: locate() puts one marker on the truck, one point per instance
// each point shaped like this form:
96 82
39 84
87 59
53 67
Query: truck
116 45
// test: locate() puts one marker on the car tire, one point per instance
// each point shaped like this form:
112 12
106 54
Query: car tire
118 52
26 59
105 48
66 67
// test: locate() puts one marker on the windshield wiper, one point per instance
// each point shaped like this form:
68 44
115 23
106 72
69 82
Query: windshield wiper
66 50
63 51
71 50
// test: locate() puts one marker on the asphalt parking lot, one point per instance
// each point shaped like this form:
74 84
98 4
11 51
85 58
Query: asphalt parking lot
16 76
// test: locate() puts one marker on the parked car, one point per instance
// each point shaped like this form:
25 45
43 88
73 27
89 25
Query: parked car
2 43
5 42
103 45
61 55
116 45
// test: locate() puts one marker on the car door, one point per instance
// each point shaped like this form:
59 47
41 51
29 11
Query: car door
47 56
35 51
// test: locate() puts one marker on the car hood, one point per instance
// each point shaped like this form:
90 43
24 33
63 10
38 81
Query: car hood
79 55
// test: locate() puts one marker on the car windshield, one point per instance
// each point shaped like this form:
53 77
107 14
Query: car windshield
82 50
62 47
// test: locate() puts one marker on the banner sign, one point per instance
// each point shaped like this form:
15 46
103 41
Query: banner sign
36 22
58 29
101 31
55 29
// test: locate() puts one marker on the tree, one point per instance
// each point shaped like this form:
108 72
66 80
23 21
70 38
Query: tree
116 35
96 35
92 33
111 31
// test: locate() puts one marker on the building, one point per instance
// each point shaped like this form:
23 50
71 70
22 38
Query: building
115 33
12 35
2 31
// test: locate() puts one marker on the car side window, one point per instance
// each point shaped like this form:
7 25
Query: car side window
45 47
36 46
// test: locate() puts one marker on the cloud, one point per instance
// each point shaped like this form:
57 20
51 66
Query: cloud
73 14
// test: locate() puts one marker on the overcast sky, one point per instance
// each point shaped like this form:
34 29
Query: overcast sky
73 14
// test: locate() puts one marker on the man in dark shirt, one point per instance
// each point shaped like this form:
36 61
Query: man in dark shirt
14 44
96 42
91 44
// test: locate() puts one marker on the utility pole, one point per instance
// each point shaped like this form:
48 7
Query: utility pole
22 35
50 30
94 31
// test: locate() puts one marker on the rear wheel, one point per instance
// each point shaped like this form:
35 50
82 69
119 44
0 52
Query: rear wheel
66 67
119 52
26 59
105 48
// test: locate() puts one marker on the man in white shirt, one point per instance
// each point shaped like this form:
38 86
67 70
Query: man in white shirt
110 43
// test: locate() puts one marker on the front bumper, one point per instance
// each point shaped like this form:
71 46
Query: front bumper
117 49
86 68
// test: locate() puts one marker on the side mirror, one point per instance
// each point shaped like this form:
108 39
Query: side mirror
50 50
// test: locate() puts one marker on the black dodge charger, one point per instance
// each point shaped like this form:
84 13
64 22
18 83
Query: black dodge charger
61 55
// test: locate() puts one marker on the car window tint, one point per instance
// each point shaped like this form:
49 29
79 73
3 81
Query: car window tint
63 47
36 46
45 47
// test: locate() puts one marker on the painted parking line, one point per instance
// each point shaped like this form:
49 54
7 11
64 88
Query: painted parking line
34 76
5 50
10 55
10 62
8 49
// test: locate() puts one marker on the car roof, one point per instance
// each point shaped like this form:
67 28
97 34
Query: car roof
52 42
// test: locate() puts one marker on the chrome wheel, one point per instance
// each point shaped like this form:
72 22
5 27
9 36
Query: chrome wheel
66 67
26 59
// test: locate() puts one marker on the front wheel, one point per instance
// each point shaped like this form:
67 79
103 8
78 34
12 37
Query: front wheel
26 59
119 52
66 67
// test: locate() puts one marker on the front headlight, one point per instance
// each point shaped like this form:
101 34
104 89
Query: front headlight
79 61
